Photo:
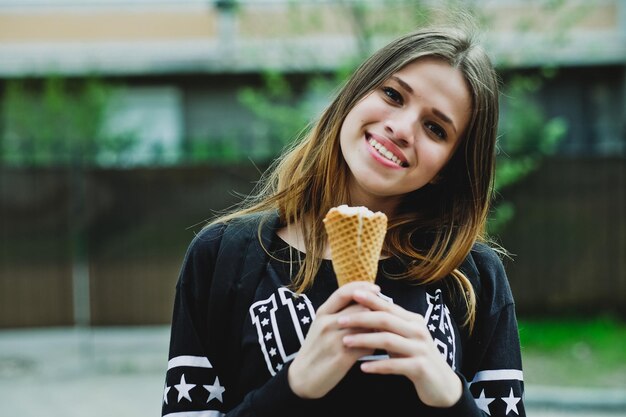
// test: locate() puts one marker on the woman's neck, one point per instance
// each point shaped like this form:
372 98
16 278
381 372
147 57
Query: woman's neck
293 235
384 204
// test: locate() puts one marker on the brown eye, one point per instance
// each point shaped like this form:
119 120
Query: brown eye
393 95
436 129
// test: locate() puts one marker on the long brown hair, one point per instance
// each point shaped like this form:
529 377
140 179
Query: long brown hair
436 226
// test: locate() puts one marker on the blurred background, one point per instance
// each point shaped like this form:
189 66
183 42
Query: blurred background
125 125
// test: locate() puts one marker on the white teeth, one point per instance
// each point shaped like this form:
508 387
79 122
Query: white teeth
384 151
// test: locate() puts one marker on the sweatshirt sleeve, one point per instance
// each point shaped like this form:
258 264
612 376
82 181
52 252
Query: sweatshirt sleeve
498 384
197 379
492 365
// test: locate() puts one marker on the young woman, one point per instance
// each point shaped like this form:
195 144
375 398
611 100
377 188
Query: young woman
260 327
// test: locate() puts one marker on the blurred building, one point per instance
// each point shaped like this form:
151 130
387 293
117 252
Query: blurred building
183 61
103 246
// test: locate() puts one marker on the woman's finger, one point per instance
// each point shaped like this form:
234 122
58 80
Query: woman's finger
385 321
375 302
391 366
344 295
435 382
394 344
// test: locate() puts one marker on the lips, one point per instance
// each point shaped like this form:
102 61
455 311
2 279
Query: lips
387 149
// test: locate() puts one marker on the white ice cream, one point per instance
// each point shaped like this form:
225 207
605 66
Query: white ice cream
360 211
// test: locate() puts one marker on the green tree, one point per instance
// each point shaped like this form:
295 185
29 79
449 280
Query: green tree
55 122
526 134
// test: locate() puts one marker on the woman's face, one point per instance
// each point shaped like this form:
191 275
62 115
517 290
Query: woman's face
399 136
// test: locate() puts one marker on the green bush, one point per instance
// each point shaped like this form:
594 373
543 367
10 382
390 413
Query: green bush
526 137
58 122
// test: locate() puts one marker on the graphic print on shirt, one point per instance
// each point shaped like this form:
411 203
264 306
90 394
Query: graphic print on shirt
268 316
184 390
439 324
499 392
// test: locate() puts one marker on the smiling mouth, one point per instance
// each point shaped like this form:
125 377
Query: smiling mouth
385 153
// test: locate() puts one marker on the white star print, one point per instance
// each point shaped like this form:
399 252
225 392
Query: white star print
279 366
183 389
300 306
483 402
438 306
435 316
263 309
305 320
167 389
268 335
431 327
511 403
272 351
264 322
215 391
449 339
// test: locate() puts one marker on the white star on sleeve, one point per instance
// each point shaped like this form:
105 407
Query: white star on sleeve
305 320
483 402
167 389
183 389
300 306
215 391
511 403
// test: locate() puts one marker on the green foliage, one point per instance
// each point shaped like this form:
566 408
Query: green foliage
217 151
570 350
526 137
551 335
59 123
283 113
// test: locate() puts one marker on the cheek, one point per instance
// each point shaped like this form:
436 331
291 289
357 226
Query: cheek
369 110
435 157
350 124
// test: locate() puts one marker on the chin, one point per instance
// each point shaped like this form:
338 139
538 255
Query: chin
378 190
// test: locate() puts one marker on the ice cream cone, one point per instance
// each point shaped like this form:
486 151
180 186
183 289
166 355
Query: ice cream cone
356 237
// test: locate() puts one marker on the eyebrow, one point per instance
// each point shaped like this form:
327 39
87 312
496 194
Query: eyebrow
437 112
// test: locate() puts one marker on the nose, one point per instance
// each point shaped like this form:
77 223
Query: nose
402 128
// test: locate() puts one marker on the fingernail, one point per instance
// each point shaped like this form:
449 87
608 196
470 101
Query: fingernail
347 340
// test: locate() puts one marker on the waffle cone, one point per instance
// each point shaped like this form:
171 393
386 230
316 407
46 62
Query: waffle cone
355 244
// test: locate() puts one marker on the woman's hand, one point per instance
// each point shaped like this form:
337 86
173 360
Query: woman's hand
413 353
324 359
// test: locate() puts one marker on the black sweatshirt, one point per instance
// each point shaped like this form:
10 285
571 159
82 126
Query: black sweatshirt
229 353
